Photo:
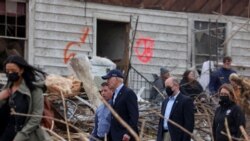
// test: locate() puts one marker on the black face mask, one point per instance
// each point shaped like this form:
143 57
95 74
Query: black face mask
169 91
224 100
12 77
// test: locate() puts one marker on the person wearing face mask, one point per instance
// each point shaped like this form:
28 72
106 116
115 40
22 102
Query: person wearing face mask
178 108
230 111
23 93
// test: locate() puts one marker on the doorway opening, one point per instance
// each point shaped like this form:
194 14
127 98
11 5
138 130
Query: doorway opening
113 42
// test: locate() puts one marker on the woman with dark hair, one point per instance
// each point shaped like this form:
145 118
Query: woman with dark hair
23 93
229 110
189 85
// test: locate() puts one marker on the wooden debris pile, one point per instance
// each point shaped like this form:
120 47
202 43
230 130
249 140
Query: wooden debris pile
68 86
79 109
82 116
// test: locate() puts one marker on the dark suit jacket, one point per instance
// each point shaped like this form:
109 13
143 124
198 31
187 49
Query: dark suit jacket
127 107
182 113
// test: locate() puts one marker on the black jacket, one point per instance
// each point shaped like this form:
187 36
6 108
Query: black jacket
235 118
154 95
191 89
20 103
182 113
126 107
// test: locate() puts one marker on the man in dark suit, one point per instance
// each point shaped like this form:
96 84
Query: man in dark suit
178 108
124 102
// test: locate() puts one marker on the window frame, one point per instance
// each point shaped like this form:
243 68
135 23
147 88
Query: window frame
25 39
191 36
209 39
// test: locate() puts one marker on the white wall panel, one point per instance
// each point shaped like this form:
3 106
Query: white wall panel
58 22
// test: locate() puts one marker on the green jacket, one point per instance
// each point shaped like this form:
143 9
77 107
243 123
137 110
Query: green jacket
32 130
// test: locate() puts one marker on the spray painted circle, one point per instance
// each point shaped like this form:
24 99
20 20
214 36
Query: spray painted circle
144 49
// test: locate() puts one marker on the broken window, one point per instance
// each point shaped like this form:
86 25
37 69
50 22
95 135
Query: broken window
12 29
209 37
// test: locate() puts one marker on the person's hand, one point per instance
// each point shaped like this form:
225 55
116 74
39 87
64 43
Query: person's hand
126 137
4 94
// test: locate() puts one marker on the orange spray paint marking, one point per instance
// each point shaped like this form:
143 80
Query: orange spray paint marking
84 35
68 56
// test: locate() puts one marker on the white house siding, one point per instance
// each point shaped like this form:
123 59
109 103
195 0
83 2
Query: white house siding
240 46
56 25
58 22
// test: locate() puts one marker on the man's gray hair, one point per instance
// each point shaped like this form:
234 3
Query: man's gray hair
175 81
120 79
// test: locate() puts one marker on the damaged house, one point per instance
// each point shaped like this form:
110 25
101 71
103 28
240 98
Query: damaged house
143 34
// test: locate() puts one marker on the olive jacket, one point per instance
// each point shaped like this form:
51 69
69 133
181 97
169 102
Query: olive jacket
31 130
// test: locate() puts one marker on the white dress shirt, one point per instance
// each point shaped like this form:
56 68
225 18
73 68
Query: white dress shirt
117 90
168 110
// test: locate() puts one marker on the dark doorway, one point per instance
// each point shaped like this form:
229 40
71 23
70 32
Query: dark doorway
112 42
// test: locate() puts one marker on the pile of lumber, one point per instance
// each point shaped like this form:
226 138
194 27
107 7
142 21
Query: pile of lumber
68 86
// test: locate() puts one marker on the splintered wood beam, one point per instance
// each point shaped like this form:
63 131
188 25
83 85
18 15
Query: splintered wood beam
81 69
